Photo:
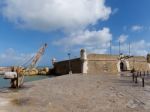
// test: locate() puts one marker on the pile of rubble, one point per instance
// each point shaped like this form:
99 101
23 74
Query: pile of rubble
35 71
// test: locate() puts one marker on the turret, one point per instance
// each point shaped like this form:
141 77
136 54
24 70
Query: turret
53 61
83 54
83 57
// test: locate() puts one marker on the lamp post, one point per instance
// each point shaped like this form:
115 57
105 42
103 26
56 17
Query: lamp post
119 48
130 48
133 62
110 47
70 72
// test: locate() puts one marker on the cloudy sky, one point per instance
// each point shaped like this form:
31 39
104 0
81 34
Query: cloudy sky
69 25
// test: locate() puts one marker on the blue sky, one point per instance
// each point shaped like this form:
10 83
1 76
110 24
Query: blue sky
69 25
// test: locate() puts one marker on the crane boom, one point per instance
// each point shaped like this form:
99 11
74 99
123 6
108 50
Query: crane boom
38 56
17 76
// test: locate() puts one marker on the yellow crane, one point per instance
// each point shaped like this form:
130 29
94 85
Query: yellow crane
16 76
38 56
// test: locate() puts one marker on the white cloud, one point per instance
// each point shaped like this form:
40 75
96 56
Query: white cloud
55 14
137 28
11 57
122 38
94 41
138 48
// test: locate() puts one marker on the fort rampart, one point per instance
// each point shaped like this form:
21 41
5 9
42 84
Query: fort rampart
99 63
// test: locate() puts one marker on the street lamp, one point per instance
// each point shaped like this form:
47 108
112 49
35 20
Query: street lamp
133 62
70 72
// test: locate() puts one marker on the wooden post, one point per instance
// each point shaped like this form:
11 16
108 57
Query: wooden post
17 81
136 79
143 82
110 47
144 73
140 74
133 76
12 82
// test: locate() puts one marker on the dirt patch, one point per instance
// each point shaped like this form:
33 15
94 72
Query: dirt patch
22 101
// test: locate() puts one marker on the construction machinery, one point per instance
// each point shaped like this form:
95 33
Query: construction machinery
17 74
31 68
38 56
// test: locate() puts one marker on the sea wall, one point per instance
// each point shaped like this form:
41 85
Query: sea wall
62 67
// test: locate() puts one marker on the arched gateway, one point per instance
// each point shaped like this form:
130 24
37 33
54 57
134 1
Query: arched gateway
123 65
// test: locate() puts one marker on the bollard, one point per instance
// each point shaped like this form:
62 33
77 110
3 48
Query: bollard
147 73
133 76
136 79
17 81
144 74
143 82
140 74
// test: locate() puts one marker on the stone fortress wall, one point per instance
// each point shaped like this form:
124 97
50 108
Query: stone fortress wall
139 63
99 63
62 67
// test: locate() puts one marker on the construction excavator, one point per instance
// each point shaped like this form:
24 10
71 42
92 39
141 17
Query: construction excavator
16 76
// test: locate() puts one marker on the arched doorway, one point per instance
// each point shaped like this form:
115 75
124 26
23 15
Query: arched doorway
123 66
